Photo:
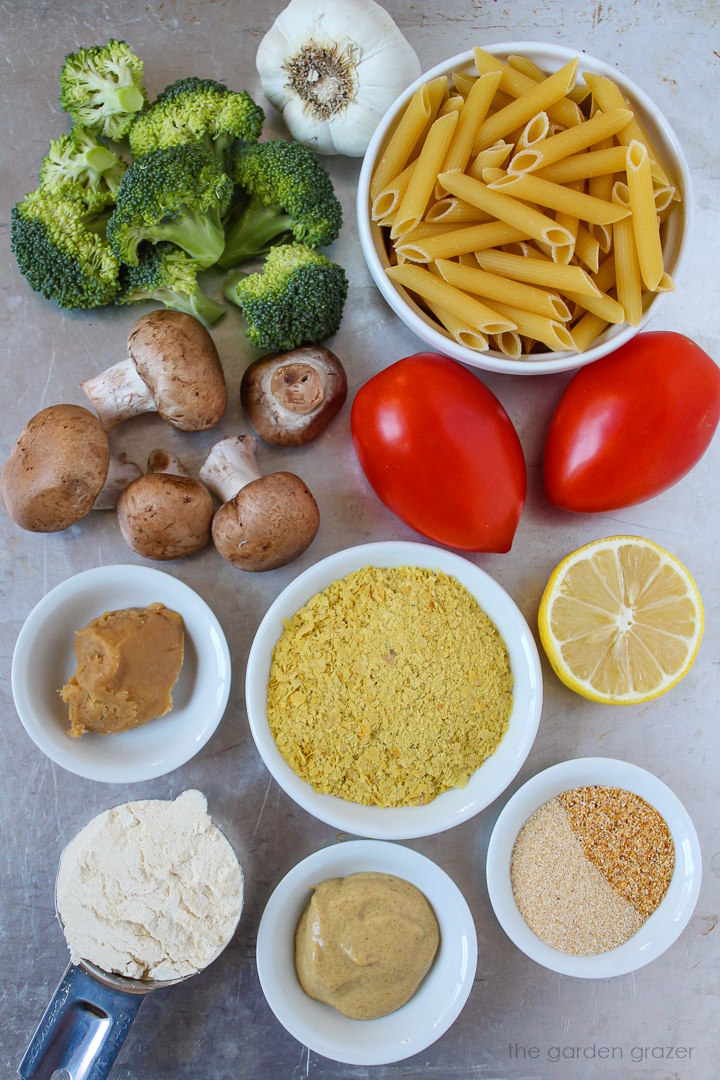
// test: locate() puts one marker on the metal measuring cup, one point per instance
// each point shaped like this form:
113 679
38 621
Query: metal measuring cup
88 1019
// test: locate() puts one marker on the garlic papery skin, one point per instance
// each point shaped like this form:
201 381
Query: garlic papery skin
333 68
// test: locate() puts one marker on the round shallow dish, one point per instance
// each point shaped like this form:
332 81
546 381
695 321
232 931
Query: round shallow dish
665 924
493 776
435 1005
44 659
676 235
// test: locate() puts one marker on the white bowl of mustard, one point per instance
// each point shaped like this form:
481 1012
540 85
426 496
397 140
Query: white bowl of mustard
456 805
433 1007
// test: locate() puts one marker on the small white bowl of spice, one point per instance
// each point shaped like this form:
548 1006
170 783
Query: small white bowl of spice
393 690
594 868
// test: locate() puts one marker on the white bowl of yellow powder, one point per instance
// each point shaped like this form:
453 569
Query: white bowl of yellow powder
387 721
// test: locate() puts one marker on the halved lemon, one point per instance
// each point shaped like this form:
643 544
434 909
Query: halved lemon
621 620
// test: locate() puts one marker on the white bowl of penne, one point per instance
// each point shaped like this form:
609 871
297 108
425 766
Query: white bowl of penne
523 209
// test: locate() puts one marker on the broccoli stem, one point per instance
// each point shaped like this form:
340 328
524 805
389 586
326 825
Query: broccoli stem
230 284
199 305
100 158
254 233
124 99
199 233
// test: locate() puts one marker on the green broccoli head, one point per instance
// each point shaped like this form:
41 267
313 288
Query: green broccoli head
79 166
167 274
298 298
178 194
61 249
197 110
291 195
101 88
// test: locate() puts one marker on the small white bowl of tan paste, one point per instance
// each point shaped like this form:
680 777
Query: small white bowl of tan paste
593 868
366 952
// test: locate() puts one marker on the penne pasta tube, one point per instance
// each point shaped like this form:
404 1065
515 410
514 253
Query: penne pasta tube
607 95
519 85
666 283
454 211
403 141
552 333
387 201
463 82
490 174
466 308
424 174
509 344
587 248
603 306
587 330
453 104
425 228
538 99
530 221
534 131
644 217
538 272
600 187
469 122
584 166
492 158
664 197
458 330
437 95
528 67
605 277
627 270
558 197
571 141
494 287
458 242
571 223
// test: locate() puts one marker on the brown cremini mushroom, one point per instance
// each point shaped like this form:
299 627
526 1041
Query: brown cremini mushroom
165 514
60 468
172 368
266 521
289 398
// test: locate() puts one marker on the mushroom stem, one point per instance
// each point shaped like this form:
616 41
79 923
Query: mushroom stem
119 393
162 461
230 466
120 473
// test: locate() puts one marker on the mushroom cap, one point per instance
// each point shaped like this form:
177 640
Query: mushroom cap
177 359
163 516
268 524
56 469
289 398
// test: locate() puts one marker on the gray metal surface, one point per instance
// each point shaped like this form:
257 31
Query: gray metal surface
519 1018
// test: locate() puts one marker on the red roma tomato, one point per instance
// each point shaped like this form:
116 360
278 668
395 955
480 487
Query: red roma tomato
632 424
441 452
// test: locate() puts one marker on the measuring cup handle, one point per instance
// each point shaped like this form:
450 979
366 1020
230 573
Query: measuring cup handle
81 1031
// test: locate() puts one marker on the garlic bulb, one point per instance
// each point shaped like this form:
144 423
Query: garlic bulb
333 68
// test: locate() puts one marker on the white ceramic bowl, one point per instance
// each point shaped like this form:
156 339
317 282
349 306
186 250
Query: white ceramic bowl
676 234
44 660
493 776
665 924
430 1011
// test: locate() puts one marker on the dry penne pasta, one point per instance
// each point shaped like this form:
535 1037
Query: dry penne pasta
539 98
514 212
471 311
607 95
585 166
499 195
403 141
538 272
453 211
516 84
644 217
494 287
571 141
424 175
458 242
557 197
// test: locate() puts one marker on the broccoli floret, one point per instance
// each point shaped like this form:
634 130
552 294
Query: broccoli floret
178 194
101 88
79 166
165 273
61 249
197 110
291 195
298 298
